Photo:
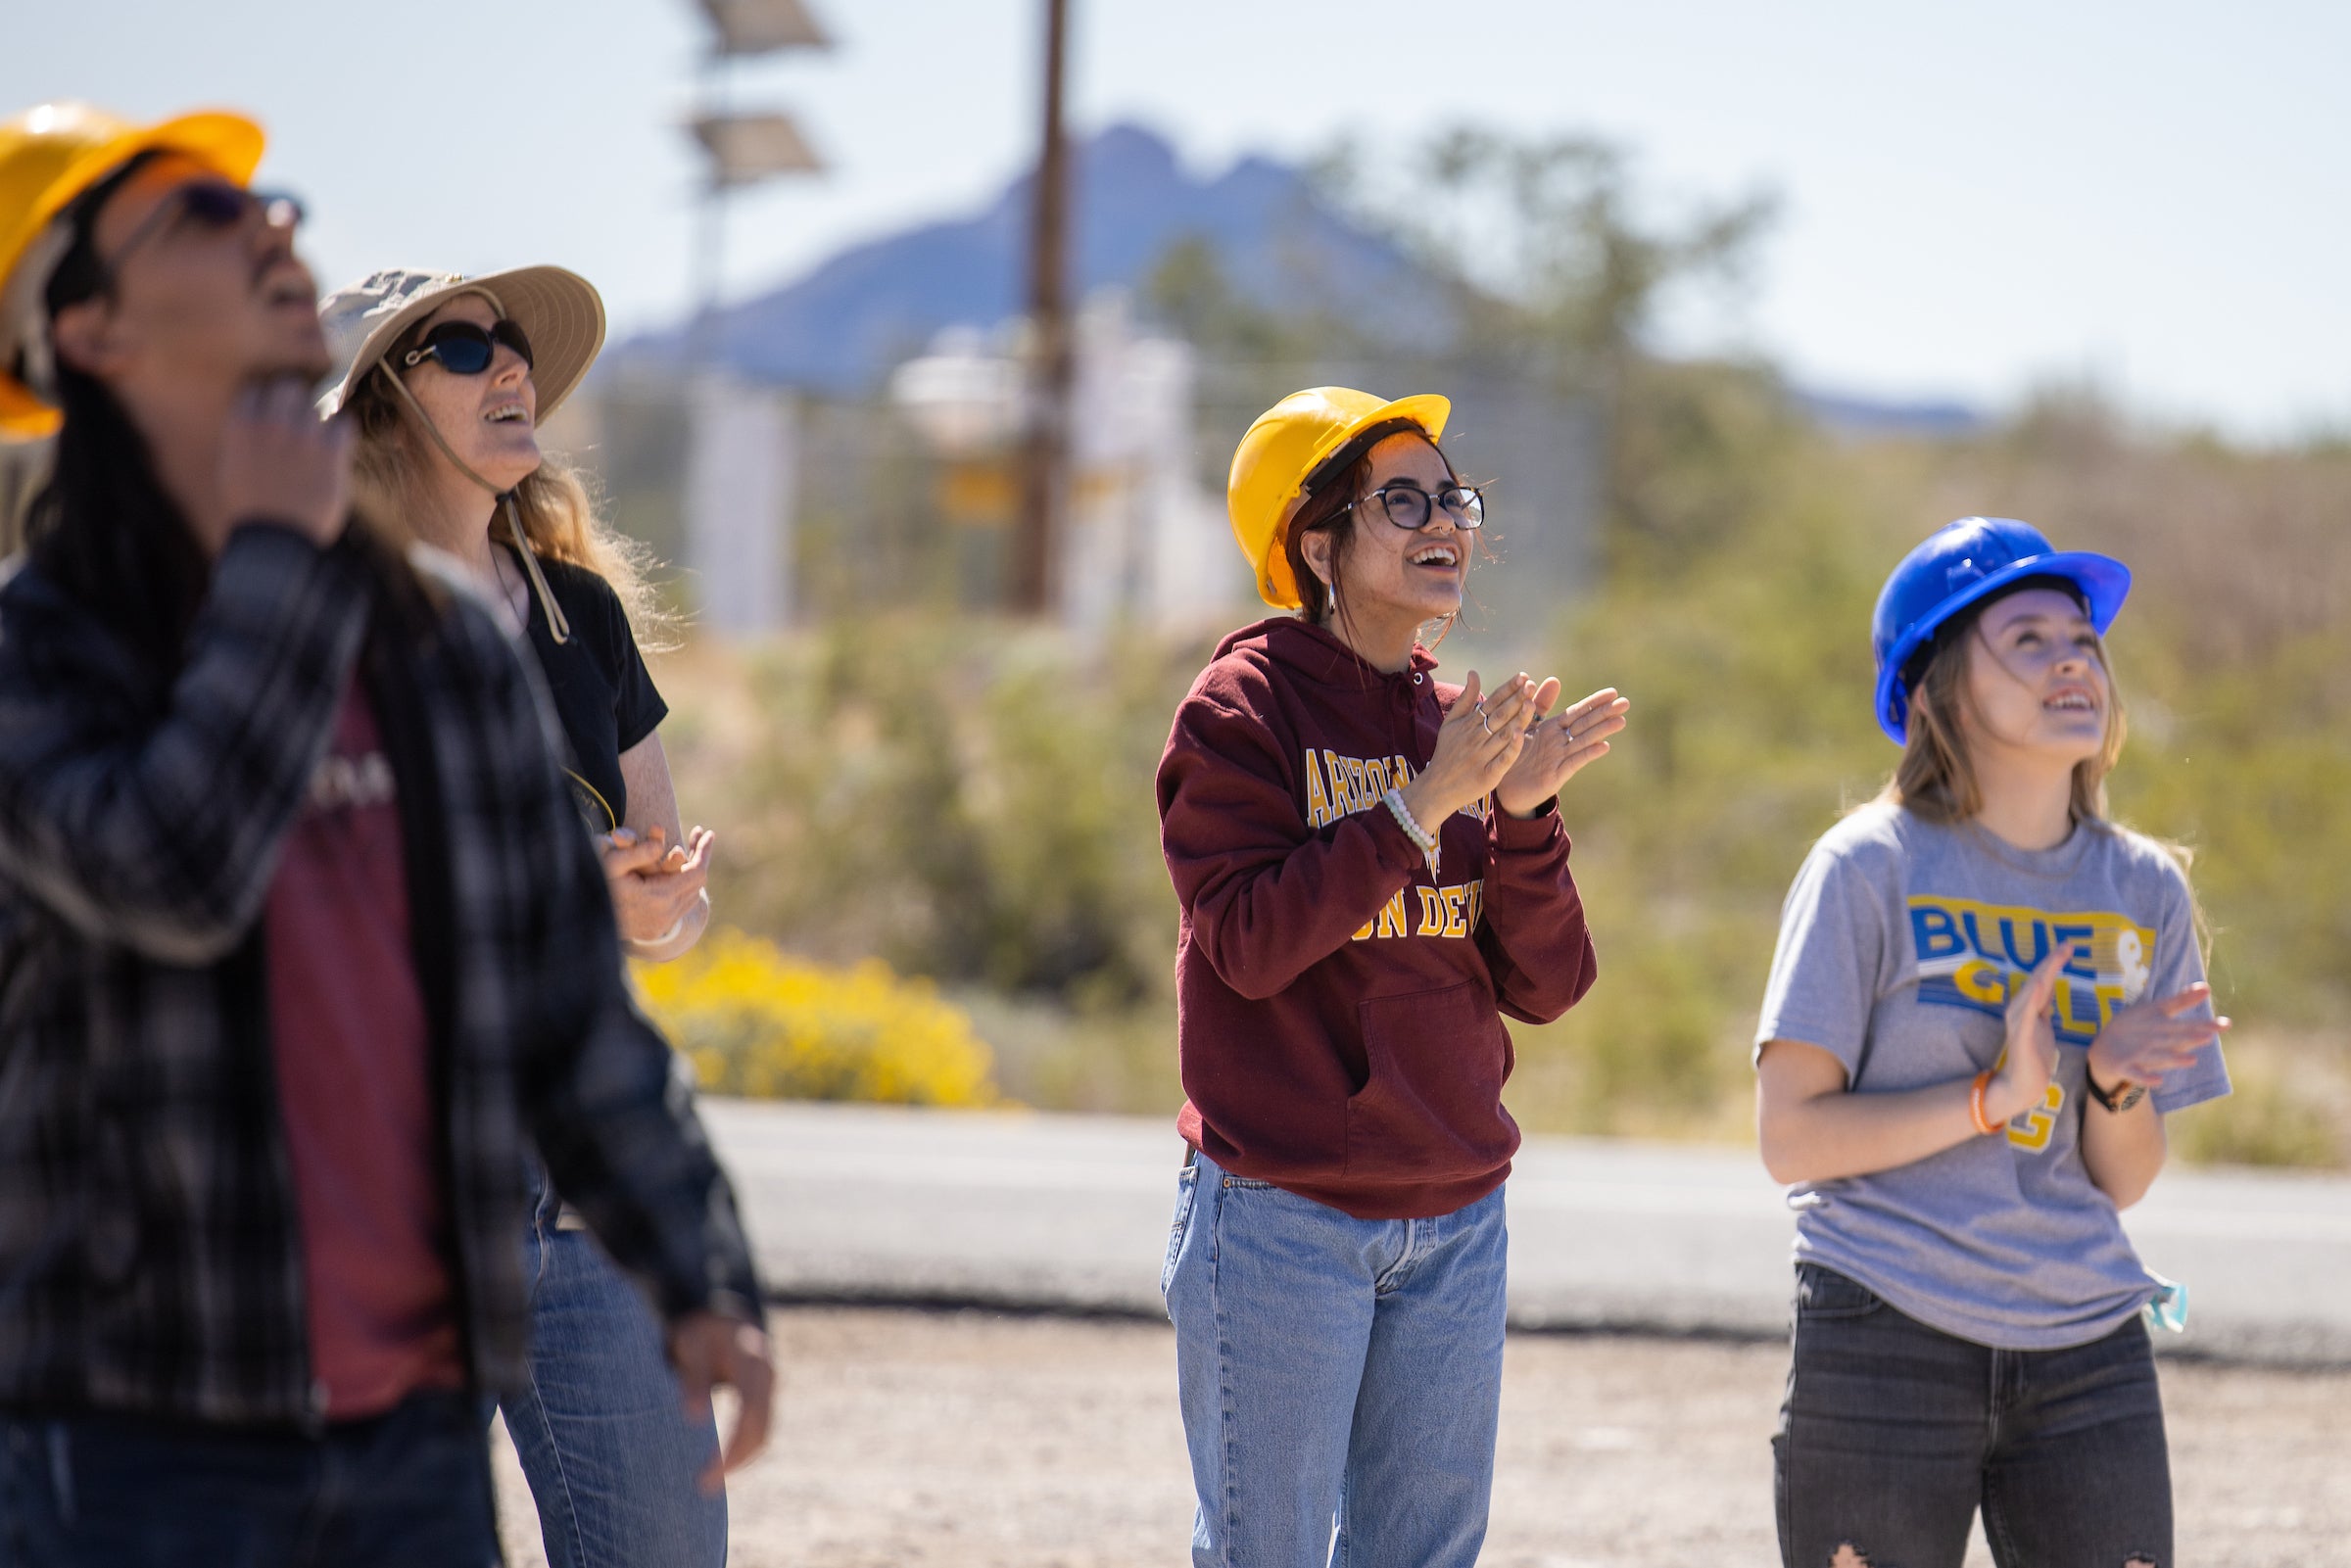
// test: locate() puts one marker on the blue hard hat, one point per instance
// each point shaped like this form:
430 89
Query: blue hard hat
1965 564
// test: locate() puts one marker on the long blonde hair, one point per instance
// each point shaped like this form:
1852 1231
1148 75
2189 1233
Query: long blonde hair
1937 776
555 504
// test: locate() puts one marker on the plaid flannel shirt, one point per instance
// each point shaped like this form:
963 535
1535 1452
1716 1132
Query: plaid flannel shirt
149 1256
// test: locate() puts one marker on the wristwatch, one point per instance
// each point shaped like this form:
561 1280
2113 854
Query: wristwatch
2132 1093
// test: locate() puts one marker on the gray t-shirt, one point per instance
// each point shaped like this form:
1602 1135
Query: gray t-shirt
1898 946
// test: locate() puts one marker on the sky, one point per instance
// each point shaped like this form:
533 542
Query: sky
1977 200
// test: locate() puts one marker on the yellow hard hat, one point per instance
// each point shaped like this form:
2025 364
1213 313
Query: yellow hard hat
1281 452
48 156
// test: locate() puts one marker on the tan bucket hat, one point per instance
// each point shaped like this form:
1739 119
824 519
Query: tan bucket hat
558 311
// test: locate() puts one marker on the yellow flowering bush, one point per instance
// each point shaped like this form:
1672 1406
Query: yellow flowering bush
758 1021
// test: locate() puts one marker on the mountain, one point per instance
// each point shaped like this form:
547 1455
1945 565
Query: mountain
842 326
1859 415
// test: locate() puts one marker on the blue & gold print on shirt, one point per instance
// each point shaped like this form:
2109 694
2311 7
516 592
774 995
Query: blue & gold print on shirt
1973 955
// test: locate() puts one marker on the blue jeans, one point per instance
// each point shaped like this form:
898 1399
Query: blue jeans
612 1461
409 1489
1340 1377
1894 1434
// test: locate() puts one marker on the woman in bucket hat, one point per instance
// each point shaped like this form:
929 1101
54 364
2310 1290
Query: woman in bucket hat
447 379
1372 872
303 946
1986 997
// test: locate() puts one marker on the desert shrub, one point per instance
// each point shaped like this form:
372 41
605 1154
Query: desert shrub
2288 1107
971 804
756 1020
1748 663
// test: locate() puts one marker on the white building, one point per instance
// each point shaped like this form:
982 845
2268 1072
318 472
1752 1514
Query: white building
1144 540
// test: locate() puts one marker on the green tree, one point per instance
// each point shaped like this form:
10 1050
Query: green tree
1558 267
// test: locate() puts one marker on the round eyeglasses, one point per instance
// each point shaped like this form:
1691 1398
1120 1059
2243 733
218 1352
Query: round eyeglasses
1412 508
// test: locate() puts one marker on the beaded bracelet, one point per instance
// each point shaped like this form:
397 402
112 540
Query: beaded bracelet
1419 835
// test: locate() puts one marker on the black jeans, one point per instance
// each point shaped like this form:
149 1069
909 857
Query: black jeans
405 1489
1894 1433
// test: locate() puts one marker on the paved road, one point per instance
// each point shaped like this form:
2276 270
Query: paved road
1065 1212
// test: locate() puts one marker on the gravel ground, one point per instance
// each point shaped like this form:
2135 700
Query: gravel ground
918 1438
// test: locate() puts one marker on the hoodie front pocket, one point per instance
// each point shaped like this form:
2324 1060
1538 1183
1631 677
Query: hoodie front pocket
1432 1106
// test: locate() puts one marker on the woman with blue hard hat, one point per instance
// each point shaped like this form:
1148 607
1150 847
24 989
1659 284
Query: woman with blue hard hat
1986 997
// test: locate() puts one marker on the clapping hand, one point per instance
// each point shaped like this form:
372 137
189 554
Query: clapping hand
1479 741
1559 746
2021 1080
2141 1044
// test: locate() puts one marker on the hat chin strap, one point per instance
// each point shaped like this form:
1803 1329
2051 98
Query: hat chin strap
556 625
24 312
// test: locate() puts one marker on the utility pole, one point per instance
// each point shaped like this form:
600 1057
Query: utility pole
1046 440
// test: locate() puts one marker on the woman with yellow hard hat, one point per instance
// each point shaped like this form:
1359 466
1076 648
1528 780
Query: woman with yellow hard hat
303 946
1372 872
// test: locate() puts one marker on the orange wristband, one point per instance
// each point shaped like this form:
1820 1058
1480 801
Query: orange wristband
1975 1106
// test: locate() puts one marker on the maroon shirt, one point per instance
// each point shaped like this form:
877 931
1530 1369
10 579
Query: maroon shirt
354 1088
1338 1005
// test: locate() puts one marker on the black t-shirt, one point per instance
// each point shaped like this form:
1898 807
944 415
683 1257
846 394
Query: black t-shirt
605 697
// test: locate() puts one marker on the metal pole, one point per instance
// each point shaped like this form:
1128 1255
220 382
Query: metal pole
701 348
709 267
1045 457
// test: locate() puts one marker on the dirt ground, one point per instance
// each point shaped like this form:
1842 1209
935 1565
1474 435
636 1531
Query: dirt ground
916 1438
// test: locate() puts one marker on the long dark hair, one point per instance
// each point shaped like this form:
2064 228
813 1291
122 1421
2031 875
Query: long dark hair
102 528
104 532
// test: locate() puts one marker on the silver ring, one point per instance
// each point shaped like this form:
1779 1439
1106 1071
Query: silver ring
1481 721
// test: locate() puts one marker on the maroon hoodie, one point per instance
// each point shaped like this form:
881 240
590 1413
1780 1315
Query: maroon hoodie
1338 1005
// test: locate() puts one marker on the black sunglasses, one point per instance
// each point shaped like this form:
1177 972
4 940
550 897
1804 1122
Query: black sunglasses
1412 508
466 350
212 205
